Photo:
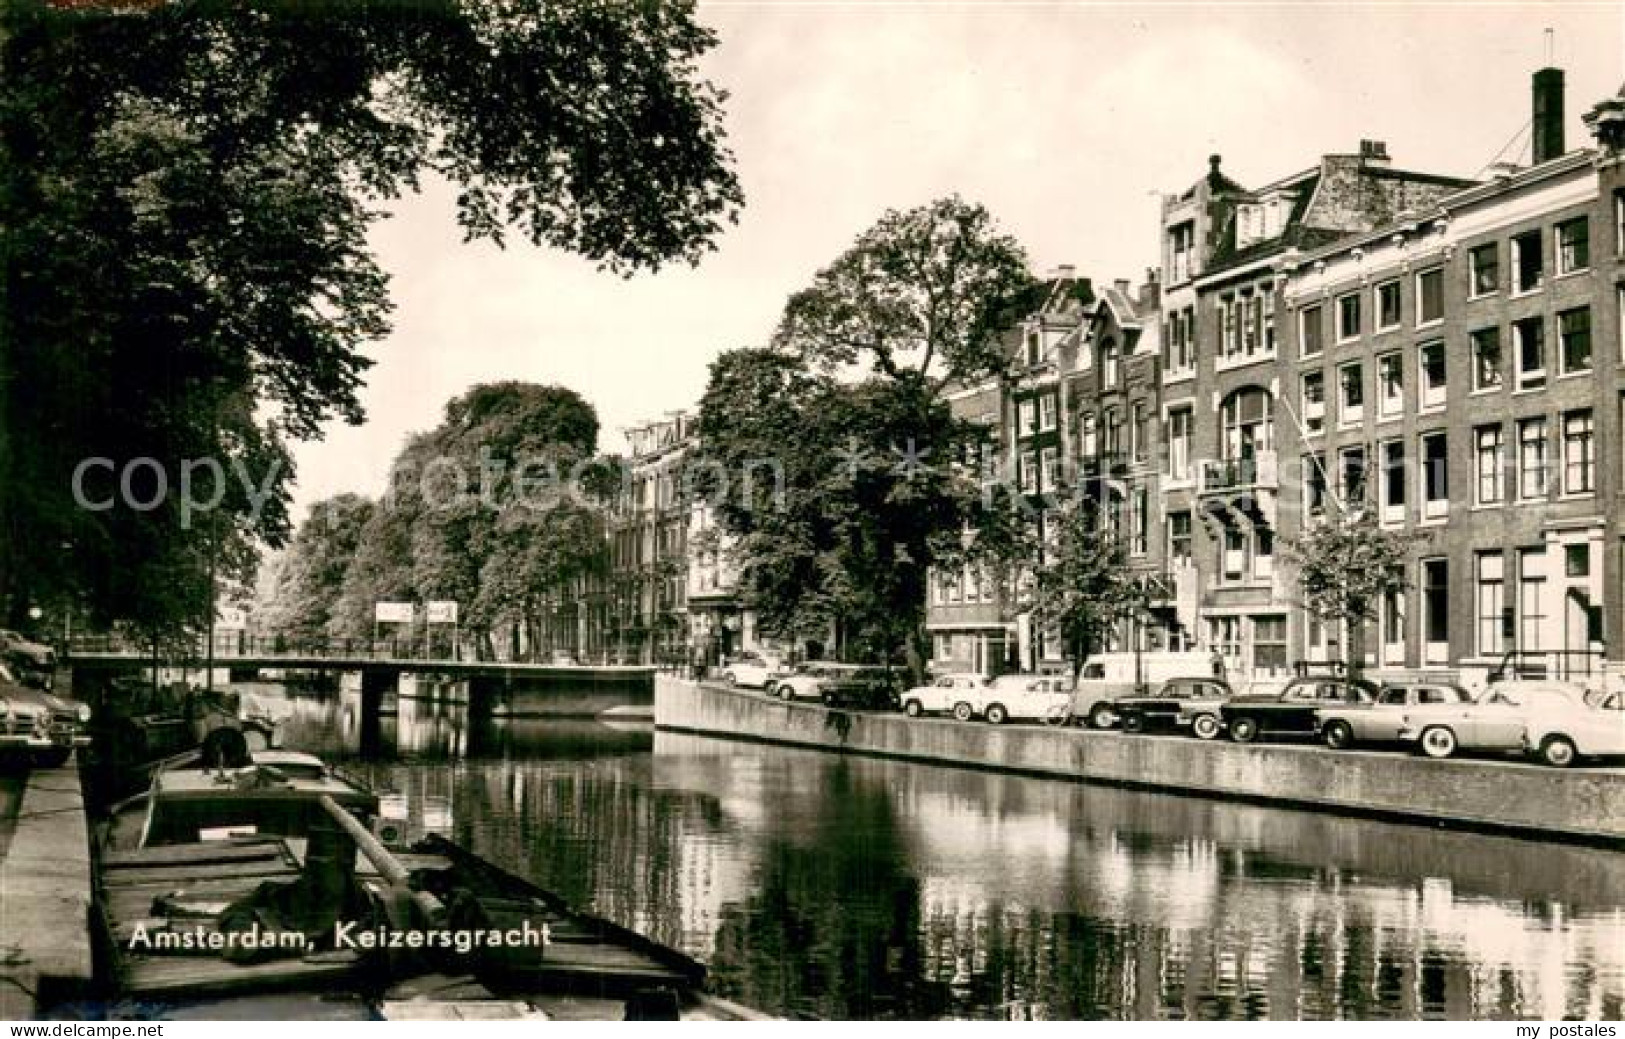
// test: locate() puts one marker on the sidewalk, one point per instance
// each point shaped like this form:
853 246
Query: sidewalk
45 896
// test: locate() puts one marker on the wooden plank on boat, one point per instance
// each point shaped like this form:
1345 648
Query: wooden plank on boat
184 873
195 854
125 902
199 975
591 958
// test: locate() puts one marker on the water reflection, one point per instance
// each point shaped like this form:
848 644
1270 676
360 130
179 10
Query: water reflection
848 888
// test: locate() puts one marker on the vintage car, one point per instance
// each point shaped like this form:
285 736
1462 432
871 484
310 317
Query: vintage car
866 688
1379 721
1106 678
1295 710
1026 698
959 694
1179 703
37 725
750 670
1557 721
803 683
36 654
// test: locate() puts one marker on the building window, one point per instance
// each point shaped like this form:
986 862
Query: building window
1046 411
1574 335
1491 603
1391 385
1351 394
1034 351
1179 539
1266 301
1530 338
1087 442
1574 245
1531 597
1228 332
1269 646
1430 296
1527 265
1532 459
1487 359
1352 475
1431 360
1111 443
1181 246
1619 319
1579 458
1027 479
1141 433
1251 313
1263 553
1484 268
1108 362
1619 221
1311 331
1314 402
1577 560
1026 420
1435 475
1139 523
1181 341
1388 305
1234 562
1179 444
1348 317
1436 610
1491 463
1393 481
1393 624
1314 483
1049 469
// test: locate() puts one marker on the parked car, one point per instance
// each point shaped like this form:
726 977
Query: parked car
36 654
1108 677
1557 721
1179 703
1294 711
38 725
866 688
962 695
803 683
750 670
1380 720
1026 698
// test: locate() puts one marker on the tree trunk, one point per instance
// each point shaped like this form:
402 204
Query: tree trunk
1354 645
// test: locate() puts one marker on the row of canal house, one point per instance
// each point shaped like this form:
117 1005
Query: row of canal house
1446 353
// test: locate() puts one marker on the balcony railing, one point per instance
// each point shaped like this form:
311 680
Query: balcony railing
1218 476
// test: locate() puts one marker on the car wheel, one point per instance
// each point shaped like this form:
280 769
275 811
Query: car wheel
786 692
730 678
963 712
1244 729
1437 741
1339 735
56 757
913 709
996 714
1134 721
1101 716
1558 751
1206 727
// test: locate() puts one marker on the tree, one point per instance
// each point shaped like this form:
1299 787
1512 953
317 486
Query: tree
185 195
1084 588
923 298
310 574
497 509
849 407
1347 566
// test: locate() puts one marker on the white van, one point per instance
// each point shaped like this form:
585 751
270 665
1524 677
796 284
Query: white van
1108 676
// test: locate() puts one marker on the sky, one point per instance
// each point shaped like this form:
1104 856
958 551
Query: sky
1068 121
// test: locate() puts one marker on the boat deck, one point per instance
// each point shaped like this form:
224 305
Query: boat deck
182 888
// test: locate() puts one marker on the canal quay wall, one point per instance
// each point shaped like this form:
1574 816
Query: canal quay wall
45 898
1580 804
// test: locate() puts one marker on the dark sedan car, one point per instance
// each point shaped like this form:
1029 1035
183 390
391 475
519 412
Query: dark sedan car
866 688
1178 703
38 726
1294 710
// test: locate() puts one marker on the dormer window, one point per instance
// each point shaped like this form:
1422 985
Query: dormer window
1034 348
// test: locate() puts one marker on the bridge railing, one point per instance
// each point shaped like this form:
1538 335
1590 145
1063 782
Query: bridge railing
242 645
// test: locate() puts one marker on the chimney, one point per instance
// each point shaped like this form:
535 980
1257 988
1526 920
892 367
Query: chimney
1063 272
1374 153
1546 132
1121 285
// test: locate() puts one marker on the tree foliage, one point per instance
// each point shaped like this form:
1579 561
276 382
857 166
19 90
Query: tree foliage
1346 567
922 297
186 190
498 508
1084 587
310 573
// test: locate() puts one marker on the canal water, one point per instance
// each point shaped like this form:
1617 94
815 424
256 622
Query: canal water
837 887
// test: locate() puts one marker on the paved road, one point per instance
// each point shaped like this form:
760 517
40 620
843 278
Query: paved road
11 797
